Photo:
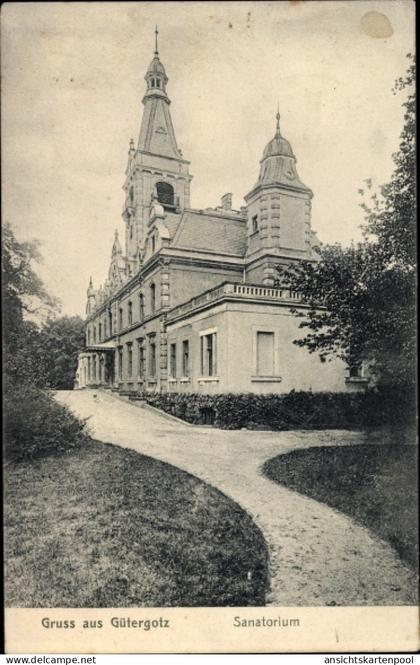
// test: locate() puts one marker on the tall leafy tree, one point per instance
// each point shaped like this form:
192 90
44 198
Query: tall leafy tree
60 341
361 298
25 302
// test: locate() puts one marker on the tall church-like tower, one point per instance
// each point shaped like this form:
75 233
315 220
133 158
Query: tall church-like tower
156 168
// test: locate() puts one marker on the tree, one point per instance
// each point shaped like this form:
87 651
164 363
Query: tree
361 299
23 297
60 341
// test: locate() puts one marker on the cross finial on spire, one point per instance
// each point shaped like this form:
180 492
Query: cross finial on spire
278 119
156 41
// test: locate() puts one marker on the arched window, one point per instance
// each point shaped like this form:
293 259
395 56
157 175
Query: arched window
130 313
158 83
141 306
100 332
165 194
153 83
94 335
110 321
152 297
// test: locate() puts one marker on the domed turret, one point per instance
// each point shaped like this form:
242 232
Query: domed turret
278 163
156 76
278 146
156 67
278 211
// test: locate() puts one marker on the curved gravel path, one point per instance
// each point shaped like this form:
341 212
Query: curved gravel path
318 556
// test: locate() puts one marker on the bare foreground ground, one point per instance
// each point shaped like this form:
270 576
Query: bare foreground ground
317 556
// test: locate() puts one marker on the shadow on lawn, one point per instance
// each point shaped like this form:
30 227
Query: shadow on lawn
375 484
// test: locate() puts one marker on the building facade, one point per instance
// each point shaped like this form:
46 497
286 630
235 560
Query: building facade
192 302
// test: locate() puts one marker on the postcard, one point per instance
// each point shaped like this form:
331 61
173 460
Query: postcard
209 333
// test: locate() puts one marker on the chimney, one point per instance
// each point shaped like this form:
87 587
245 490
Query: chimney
227 202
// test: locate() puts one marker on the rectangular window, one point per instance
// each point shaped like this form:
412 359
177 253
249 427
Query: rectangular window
141 357
141 306
185 358
120 318
100 332
172 360
120 363
89 369
265 353
355 372
152 358
208 355
130 313
152 298
130 359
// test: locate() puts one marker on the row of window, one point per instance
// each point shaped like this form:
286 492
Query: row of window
178 358
98 334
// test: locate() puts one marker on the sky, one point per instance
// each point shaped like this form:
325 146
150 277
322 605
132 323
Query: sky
73 80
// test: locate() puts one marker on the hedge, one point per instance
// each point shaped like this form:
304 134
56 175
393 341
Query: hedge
294 410
35 425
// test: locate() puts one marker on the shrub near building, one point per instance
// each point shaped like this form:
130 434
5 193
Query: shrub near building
295 410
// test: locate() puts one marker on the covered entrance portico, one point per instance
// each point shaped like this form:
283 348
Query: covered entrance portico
96 366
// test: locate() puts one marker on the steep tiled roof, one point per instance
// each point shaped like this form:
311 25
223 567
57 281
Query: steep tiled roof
205 231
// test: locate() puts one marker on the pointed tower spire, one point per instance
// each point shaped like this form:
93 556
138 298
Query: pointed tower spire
116 247
157 133
90 290
156 42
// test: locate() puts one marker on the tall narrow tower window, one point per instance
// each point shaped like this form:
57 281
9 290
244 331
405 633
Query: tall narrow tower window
141 306
165 194
158 83
255 224
152 298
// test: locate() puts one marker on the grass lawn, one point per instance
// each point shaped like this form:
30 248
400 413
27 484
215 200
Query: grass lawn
374 484
102 526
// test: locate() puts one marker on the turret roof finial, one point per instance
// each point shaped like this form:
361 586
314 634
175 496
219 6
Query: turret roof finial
156 42
278 120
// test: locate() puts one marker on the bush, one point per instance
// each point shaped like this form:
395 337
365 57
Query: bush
394 408
35 425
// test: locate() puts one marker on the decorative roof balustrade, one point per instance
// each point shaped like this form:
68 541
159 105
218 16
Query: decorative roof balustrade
234 291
